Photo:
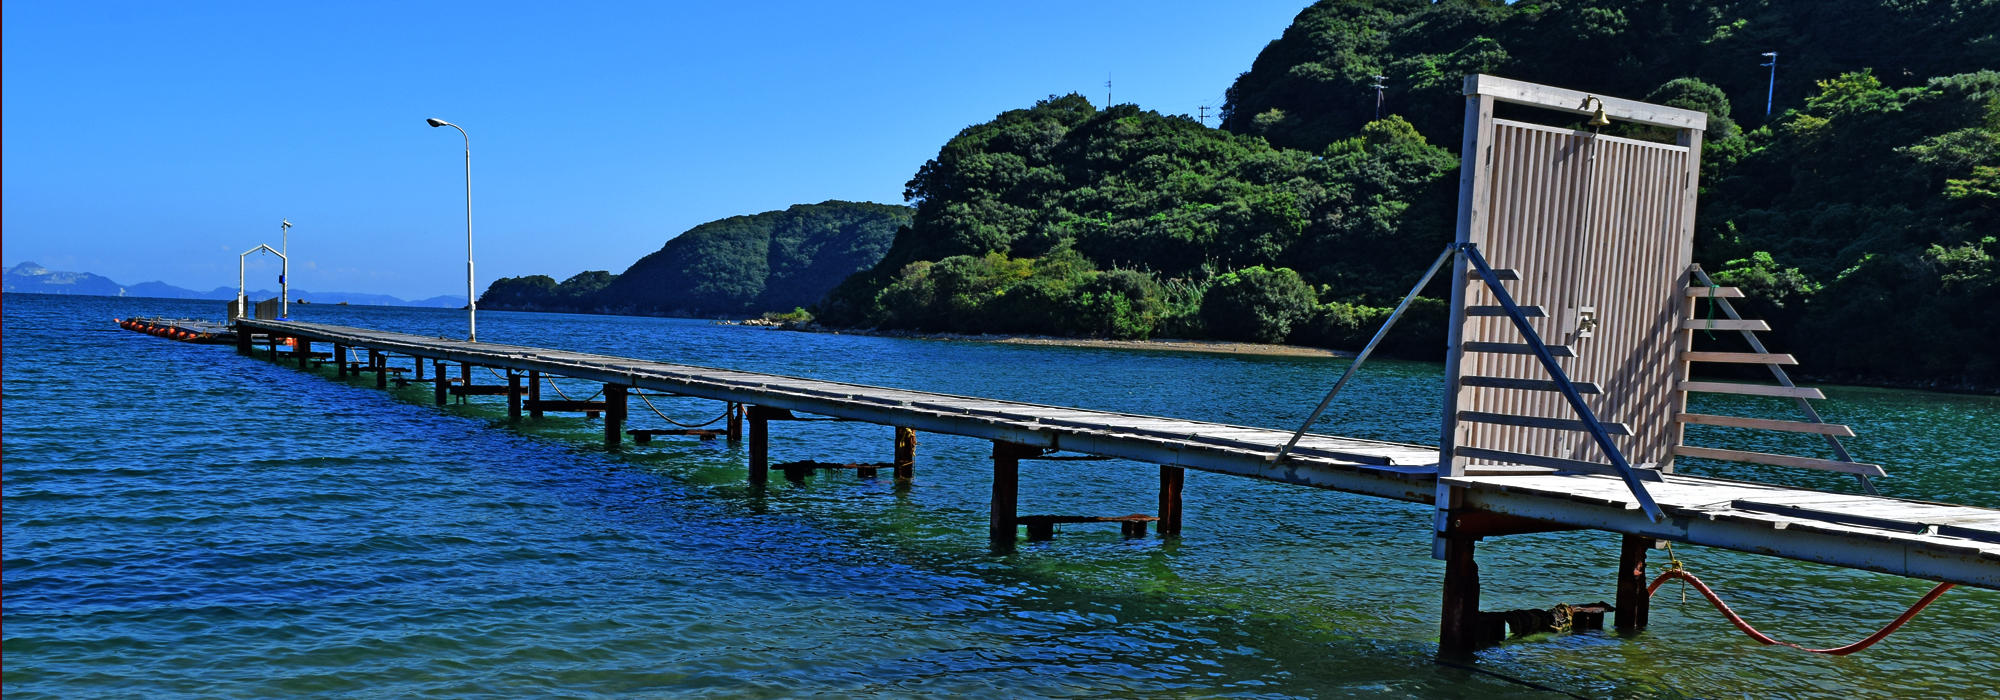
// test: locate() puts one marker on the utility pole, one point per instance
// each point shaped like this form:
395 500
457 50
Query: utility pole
1772 90
1378 95
1204 115
1107 90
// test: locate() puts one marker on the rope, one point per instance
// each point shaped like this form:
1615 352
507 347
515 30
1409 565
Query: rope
559 391
663 416
1676 572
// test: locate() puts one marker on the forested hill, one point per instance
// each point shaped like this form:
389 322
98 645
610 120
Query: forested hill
1863 210
742 265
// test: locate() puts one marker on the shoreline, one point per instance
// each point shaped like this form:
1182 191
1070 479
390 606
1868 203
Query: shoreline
1216 347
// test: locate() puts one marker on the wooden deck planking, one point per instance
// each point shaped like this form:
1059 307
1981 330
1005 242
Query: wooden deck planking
1699 508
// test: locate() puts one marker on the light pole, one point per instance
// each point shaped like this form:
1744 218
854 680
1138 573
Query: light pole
471 300
285 273
1772 90
242 295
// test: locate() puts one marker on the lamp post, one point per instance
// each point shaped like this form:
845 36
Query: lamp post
285 273
1771 90
471 300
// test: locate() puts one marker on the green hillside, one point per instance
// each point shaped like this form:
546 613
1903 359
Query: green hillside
742 265
1864 207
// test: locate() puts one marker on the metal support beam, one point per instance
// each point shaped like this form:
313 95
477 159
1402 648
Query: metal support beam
614 414
440 384
760 446
1458 629
1171 480
534 393
513 396
906 455
1001 524
1633 602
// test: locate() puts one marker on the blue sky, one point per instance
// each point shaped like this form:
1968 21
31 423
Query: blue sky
148 141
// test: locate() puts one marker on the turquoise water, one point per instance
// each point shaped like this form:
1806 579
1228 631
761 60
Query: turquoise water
184 522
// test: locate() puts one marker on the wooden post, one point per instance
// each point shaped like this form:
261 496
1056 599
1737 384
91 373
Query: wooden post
1001 528
1171 479
464 378
1633 602
614 415
760 448
304 350
381 363
735 412
340 360
440 384
906 455
418 364
513 396
1458 630
535 393
274 345
243 340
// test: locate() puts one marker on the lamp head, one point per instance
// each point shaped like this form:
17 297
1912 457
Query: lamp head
437 122
1773 53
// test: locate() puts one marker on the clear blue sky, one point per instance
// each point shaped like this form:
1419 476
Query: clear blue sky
156 141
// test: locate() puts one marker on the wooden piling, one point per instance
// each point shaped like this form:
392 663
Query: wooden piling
418 364
380 361
614 415
1171 480
440 384
513 396
760 447
535 393
735 426
340 360
243 341
304 350
274 346
906 455
1001 525
1633 603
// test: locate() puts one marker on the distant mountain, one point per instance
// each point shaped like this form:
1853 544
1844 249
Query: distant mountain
742 265
32 278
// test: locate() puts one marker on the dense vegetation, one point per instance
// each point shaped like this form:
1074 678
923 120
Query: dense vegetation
742 265
1863 209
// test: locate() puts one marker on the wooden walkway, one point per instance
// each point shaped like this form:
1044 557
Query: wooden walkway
1938 542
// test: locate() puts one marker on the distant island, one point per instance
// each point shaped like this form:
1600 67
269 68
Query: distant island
774 262
31 278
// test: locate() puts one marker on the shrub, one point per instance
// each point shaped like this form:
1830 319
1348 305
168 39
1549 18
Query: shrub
1257 304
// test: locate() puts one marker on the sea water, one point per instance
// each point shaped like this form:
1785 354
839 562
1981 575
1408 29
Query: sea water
181 521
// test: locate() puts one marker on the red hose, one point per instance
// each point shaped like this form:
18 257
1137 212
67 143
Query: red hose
1761 637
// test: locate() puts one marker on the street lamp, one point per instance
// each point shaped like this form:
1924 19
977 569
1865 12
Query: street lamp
471 300
285 274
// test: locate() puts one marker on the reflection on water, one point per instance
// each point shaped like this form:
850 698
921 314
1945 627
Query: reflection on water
181 521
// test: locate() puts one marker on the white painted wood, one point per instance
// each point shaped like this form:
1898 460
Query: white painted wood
1519 92
1752 389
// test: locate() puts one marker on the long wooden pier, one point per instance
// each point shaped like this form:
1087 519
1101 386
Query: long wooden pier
1932 541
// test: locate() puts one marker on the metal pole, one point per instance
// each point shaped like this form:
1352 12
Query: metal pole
1772 89
285 273
1363 357
471 301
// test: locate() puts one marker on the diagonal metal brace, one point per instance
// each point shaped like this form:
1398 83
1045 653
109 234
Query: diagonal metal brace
1596 430
1363 357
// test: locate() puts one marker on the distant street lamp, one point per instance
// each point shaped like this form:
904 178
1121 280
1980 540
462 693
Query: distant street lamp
471 300
242 287
285 274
